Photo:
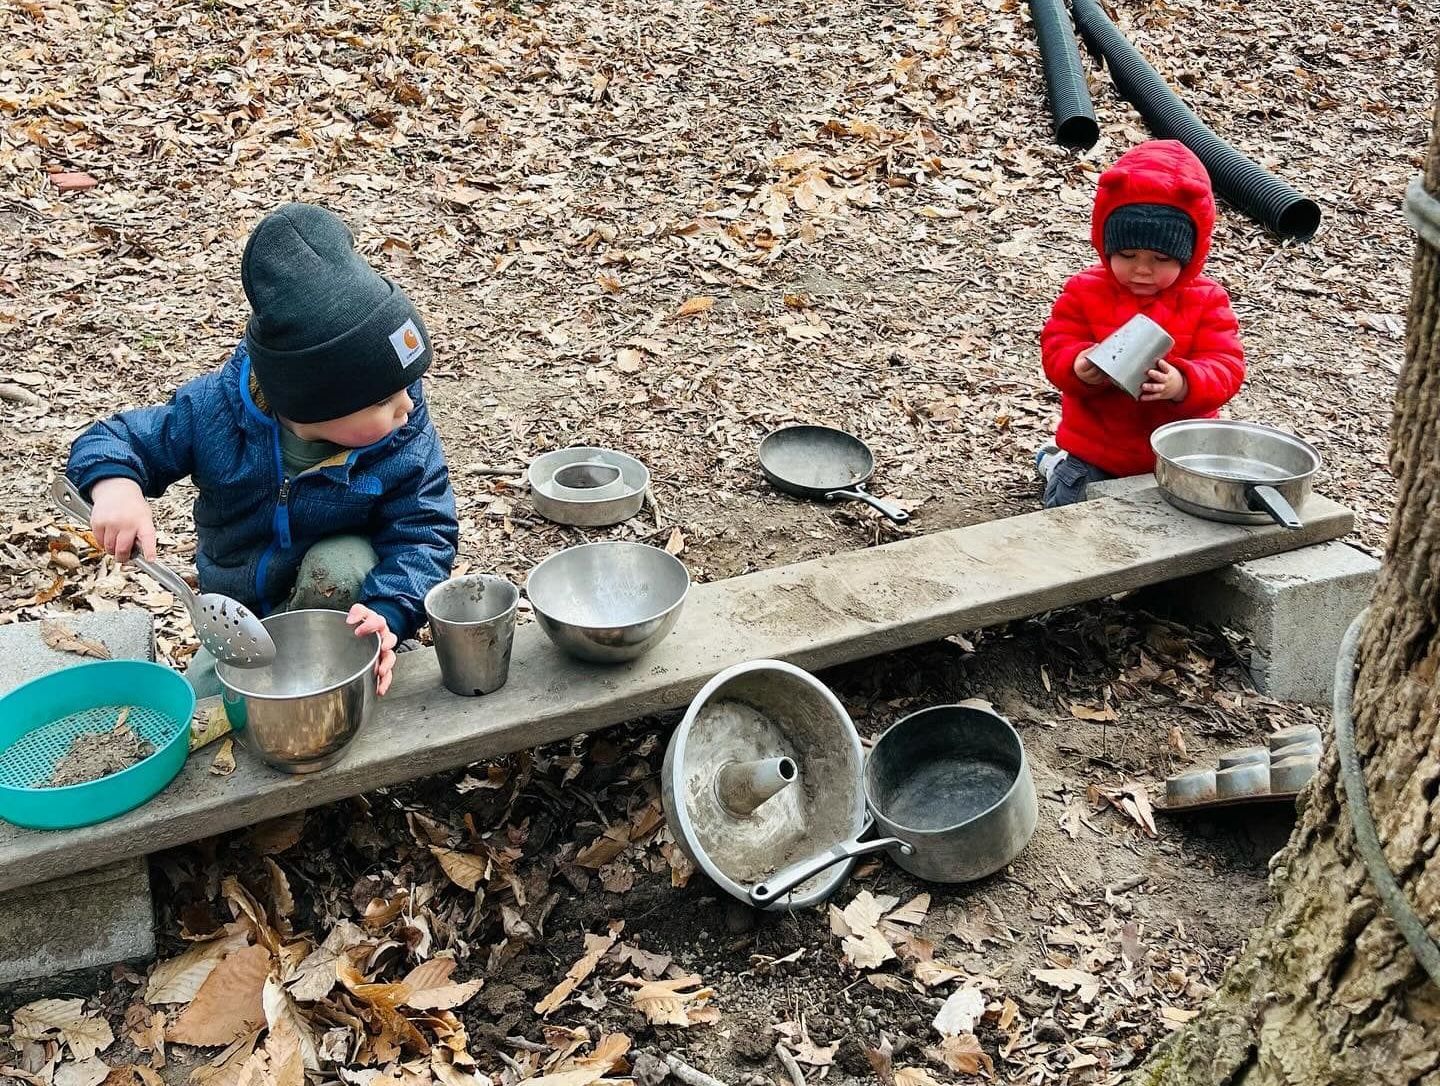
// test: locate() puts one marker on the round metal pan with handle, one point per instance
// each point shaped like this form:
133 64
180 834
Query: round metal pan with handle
950 791
823 462
1238 472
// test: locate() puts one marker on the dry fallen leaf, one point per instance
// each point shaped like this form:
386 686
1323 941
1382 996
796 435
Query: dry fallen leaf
1087 985
1131 800
629 360
62 638
693 306
596 947
224 763
882 1061
228 1004
960 1013
208 725
87 1072
912 912
280 895
428 987
665 1003
86 1034
962 1054
284 1018
913 1076
932 974
279 834
314 978
465 869
178 980
676 543
1085 712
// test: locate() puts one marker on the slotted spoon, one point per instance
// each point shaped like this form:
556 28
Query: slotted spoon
228 629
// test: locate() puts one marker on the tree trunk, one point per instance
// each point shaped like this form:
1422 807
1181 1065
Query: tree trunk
1328 993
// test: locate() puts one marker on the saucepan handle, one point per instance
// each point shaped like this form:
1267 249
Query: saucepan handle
1271 501
895 513
763 894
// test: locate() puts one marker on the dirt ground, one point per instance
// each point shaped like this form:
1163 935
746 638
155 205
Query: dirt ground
868 199
1154 920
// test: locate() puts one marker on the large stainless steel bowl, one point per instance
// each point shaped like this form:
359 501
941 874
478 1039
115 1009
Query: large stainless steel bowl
299 713
608 602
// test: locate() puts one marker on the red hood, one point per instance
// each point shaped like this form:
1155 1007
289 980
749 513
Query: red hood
1158 172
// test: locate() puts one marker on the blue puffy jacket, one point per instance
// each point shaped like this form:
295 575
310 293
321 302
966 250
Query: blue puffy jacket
254 525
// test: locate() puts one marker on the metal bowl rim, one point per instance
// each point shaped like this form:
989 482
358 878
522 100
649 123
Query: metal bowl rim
1157 437
677 754
539 611
493 577
369 667
538 484
1022 771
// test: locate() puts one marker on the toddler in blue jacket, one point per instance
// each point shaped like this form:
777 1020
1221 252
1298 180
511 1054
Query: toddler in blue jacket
320 475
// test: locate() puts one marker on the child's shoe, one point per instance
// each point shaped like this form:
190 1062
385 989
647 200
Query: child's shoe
1046 457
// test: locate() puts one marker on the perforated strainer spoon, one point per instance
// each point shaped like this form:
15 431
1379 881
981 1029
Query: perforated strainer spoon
228 629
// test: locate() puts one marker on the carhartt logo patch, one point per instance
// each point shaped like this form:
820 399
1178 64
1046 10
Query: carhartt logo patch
409 344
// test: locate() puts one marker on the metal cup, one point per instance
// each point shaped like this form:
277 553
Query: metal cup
473 621
1127 354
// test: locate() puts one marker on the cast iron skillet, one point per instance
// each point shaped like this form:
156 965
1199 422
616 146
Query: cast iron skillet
822 462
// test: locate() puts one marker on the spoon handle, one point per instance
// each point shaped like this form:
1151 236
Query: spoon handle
70 501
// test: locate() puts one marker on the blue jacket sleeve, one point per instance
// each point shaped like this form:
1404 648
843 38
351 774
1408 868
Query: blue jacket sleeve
416 536
155 446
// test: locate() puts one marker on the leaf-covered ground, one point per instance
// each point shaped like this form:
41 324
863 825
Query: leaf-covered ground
668 227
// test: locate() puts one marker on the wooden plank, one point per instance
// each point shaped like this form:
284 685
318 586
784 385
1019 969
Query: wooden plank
816 614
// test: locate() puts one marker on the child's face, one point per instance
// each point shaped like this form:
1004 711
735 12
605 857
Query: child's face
361 428
1144 271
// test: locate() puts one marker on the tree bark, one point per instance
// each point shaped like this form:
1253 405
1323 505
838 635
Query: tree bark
1328 993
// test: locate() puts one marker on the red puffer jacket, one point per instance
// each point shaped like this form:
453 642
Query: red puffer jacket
1101 423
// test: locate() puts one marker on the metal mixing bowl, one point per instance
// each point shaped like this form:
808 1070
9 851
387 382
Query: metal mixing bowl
299 713
608 602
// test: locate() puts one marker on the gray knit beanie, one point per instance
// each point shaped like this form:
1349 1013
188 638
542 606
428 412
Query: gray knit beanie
1160 227
328 335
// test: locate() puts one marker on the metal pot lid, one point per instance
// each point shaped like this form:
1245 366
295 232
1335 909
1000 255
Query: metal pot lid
722 763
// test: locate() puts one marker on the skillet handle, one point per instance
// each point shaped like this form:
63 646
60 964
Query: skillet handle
764 894
896 514
1271 501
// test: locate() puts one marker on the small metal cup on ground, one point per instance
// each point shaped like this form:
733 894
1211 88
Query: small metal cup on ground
1128 354
472 619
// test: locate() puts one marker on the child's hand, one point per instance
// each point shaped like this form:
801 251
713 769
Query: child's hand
1087 371
1165 383
367 622
121 518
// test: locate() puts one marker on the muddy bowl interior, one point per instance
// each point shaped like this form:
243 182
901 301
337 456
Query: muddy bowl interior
765 709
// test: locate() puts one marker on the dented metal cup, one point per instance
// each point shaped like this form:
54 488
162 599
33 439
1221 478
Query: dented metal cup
1127 354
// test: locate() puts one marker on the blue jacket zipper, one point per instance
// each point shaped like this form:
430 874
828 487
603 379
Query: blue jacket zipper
280 525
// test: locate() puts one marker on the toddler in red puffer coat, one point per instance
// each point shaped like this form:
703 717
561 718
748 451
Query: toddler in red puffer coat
1153 216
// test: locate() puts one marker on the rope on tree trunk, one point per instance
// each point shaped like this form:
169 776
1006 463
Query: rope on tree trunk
1422 212
1352 776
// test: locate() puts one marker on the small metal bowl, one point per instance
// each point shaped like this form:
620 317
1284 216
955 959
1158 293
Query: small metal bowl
1248 779
608 602
1245 756
1297 735
300 712
596 511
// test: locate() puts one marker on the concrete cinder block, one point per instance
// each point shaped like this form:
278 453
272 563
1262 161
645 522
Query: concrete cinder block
89 918
84 920
128 634
1294 607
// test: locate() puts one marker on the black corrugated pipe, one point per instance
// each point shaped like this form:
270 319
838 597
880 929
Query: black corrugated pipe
1239 181
1064 77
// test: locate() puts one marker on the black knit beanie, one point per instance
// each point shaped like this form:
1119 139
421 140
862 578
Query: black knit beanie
328 335
1160 227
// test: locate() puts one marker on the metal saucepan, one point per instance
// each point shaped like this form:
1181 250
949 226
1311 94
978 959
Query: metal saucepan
822 462
949 789
1239 472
